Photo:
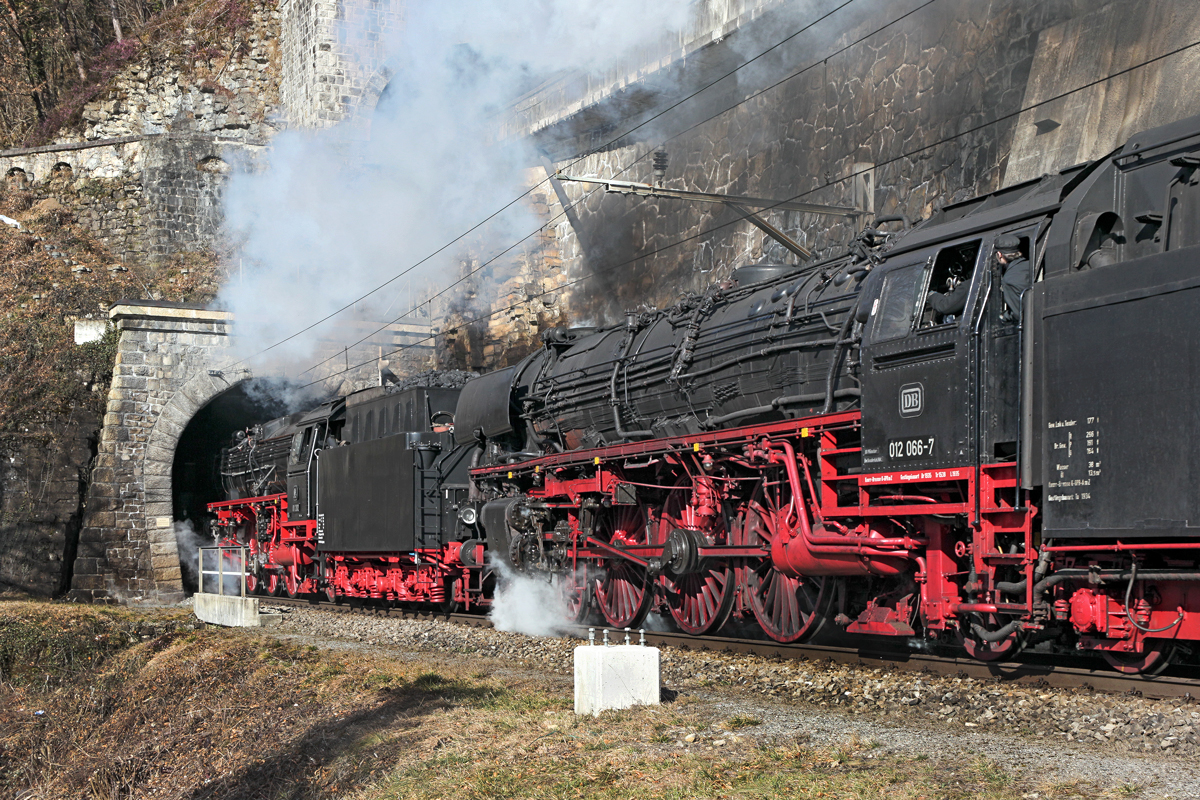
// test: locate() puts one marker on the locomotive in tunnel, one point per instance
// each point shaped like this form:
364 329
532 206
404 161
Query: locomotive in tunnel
357 497
978 430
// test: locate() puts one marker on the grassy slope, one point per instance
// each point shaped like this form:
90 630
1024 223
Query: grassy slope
137 705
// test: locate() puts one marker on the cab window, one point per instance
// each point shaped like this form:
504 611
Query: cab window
950 283
897 302
300 446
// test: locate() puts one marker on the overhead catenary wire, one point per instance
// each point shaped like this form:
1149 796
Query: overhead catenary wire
705 232
817 62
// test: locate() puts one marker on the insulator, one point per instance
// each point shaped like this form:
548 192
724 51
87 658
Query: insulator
660 160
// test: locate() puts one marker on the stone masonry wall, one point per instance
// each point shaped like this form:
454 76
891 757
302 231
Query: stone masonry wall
519 297
334 58
930 106
147 174
925 102
127 548
42 474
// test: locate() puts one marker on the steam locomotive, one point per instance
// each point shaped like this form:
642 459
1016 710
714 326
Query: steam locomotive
823 446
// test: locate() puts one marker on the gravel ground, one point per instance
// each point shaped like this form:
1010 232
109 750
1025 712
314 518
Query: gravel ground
1053 735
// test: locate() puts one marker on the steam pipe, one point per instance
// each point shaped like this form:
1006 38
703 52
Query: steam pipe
997 635
835 544
835 362
1014 587
630 332
776 404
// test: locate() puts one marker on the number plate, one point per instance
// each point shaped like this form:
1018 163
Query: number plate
918 447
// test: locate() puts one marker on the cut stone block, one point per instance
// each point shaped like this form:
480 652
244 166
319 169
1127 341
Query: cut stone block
615 677
230 612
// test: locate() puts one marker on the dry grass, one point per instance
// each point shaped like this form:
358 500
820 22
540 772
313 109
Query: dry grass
235 714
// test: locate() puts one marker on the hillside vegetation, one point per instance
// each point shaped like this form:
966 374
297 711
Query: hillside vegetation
52 272
57 55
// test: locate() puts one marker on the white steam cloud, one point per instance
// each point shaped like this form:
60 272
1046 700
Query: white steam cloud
188 542
527 604
339 211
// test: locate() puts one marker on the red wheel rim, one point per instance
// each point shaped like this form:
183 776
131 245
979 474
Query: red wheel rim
622 590
700 602
1152 661
574 593
787 609
291 583
274 585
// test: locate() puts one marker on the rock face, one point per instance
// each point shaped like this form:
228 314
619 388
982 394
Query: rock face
931 103
42 472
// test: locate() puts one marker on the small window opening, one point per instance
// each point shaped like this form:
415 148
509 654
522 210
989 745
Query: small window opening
950 284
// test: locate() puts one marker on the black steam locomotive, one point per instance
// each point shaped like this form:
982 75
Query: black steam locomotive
978 429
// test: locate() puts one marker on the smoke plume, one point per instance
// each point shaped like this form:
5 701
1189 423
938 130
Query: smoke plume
339 211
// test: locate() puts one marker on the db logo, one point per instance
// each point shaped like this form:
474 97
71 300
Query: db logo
912 399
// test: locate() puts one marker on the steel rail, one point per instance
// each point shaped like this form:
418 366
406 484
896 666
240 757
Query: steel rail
1036 671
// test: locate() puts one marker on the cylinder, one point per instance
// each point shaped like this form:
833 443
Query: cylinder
795 556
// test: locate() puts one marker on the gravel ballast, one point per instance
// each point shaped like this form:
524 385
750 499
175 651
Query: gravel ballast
1130 743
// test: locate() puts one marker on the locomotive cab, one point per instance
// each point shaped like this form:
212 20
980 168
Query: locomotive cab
318 430
941 358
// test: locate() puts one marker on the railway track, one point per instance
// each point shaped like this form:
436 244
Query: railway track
1031 671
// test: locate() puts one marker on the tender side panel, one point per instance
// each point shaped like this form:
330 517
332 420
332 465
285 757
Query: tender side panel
366 496
1120 430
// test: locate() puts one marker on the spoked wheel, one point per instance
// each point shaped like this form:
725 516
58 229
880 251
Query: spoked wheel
275 586
1152 661
331 593
788 609
623 590
253 584
701 598
574 592
982 650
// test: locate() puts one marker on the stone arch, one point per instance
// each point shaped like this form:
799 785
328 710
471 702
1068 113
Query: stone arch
17 179
163 374
194 395
364 109
62 171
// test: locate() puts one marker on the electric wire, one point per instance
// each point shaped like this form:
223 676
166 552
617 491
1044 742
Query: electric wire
640 158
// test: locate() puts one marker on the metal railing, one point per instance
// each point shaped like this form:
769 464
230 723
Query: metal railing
223 571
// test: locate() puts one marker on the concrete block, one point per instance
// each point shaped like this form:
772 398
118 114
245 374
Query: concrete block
615 677
230 612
